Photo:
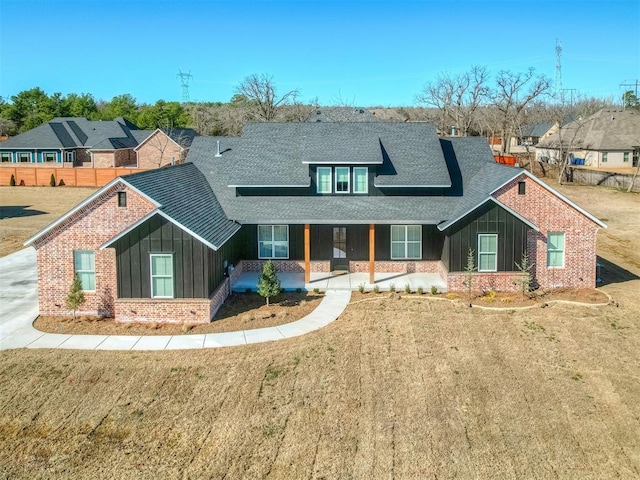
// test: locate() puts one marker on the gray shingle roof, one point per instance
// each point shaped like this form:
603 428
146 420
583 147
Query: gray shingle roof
410 154
468 162
185 195
74 132
341 114
606 129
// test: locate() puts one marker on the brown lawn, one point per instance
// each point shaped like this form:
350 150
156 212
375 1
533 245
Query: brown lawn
26 210
395 388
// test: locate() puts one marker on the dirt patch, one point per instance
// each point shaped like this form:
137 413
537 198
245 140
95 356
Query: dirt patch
24 211
241 311
494 299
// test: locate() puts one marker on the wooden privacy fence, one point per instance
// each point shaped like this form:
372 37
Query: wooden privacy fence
73 177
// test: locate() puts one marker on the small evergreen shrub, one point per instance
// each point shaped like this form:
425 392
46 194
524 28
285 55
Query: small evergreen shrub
268 282
420 290
376 289
392 288
52 181
407 288
316 290
434 290
361 288
75 297
12 182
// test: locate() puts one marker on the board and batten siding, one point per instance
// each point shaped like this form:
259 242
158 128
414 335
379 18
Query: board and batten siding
198 270
491 218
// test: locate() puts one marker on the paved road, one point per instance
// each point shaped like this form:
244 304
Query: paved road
19 307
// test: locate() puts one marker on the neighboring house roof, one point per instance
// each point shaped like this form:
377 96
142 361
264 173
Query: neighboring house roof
536 129
341 114
78 132
606 129
182 137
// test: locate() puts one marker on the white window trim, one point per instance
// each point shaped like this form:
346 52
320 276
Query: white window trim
152 276
92 271
564 241
69 156
25 153
273 243
625 157
335 182
495 235
366 180
4 155
605 157
318 179
44 159
405 242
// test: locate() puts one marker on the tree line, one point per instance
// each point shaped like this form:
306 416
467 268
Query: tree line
469 103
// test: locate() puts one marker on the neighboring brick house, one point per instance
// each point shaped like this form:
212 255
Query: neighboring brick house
78 142
314 197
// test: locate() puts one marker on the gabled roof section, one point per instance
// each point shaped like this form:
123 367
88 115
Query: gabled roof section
607 129
182 137
185 198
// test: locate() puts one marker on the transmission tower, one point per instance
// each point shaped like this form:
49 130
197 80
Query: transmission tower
558 81
184 82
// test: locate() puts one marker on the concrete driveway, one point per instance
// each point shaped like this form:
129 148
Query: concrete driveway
19 308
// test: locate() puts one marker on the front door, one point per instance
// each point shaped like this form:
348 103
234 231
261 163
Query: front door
636 155
339 260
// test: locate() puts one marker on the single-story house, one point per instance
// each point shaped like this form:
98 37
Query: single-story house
607 139
530 135
372 197
78 142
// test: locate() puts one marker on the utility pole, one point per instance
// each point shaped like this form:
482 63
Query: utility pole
558 80
634 84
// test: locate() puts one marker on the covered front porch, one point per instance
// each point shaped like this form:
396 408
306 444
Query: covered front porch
345 281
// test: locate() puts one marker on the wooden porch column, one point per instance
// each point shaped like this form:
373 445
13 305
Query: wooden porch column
372 254
307 253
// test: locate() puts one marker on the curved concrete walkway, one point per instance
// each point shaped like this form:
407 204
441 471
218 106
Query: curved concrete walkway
19 307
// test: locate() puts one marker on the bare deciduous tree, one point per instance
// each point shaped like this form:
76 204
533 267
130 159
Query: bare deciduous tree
513 93
260 92
457 98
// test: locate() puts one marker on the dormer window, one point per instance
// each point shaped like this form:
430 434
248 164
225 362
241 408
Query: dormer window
324 180
342 180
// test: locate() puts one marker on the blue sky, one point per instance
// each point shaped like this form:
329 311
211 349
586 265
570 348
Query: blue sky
365 53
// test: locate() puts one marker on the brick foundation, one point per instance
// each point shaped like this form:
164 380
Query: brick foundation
497 281
398 266
173 310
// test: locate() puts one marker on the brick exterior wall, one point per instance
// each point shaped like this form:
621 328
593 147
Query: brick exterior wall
551 214
158 150
103 159
398 266
87 229
174 310
498 281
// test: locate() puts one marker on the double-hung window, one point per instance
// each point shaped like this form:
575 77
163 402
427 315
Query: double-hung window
360 180
605 157
84 265
24 157
555 249
406 242
6 157
48 157
324 179
161 275
273 241
342 179
625 157
487 252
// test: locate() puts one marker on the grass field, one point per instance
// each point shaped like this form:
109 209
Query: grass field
395 388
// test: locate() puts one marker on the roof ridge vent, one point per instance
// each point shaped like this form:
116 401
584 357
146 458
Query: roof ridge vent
218 154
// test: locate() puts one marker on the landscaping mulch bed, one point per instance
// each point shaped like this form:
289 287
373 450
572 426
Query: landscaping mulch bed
241 311
494 299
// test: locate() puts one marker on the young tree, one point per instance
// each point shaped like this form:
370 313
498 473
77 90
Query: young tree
260 92
469 270
268 282
525 280
75 297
